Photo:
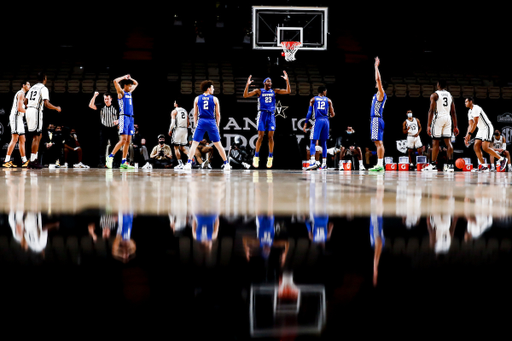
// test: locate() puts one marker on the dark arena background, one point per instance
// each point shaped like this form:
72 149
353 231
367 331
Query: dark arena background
269 253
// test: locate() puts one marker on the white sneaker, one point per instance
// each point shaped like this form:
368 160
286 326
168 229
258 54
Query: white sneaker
429 168
361 168
226 167
147 166
83 166
313 166
179 166
188 166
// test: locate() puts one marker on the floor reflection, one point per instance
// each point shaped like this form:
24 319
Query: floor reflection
261 274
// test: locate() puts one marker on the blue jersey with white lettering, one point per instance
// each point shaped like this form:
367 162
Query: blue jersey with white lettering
266 230
321 108
378 107
125 222
126 104
267 101
206 106
318 228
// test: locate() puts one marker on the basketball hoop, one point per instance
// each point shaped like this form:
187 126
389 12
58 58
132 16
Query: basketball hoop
289 49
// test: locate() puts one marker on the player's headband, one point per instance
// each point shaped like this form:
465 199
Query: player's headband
265 80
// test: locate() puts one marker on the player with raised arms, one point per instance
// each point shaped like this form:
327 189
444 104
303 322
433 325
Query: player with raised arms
125 85
207 120
266 119
377 122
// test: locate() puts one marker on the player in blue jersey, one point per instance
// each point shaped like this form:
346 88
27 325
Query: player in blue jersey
205 229
207 120
376 120
320 109
266 119
124 87
123 247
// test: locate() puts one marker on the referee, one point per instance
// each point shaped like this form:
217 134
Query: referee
109 116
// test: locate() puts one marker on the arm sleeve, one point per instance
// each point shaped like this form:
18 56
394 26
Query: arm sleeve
310 111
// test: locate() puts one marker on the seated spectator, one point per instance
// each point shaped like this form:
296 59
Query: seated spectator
350 146
53 145
138 152
239 156
204 154
72 149
161 155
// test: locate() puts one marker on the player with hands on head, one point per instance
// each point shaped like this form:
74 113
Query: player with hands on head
125 85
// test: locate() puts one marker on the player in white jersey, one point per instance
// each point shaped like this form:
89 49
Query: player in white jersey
17 127
499 144
412 127
179 132
478 119
36 99
441 119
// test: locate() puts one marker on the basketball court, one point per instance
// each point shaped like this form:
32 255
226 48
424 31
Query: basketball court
257 254
450 228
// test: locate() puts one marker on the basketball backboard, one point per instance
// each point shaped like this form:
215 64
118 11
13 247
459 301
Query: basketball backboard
272 25
269 317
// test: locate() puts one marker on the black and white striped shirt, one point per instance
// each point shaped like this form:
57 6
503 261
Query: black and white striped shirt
108 115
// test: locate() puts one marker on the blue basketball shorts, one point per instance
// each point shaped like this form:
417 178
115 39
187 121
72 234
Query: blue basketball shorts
266 121
320 130
126 125
377 128
206 126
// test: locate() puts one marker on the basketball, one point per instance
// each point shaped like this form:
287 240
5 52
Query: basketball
459 163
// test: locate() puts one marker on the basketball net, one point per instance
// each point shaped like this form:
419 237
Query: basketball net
289 49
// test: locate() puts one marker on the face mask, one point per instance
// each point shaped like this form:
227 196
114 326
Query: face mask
349 132
497 135
161 142
409 115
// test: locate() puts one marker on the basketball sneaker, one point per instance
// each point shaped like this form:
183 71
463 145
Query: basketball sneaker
34 165
25 164
503 164
361 168
430 168
188 166
269 162
226 167
256 161
9 164
449 168
109 162
376 169
126 165
313 166
483 169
